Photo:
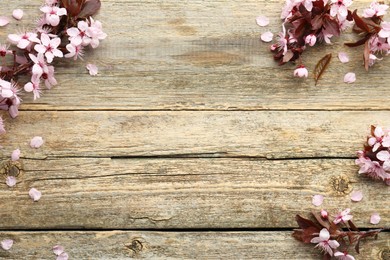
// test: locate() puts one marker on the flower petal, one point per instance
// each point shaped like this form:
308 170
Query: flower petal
4 21
324 234
262 20
15 155
375 218
17 14
350 77
10 181
343 57
92 69
34 194
57 249
267 37
317 200
36 142
63 256
383 155
6 244
356 196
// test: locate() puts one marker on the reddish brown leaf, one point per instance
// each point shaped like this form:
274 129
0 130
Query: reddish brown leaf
305 223
90 8
359 42
331 25
321 66
352 226
359 22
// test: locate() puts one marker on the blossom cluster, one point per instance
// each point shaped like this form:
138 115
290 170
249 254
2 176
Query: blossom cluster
374 160
64 30
328 235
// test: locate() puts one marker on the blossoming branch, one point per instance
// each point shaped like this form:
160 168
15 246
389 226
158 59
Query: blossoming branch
65 29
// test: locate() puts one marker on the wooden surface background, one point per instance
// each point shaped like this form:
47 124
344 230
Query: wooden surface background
191 142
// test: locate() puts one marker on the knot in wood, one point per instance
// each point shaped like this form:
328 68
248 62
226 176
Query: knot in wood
11 168
136 246
341 184
385 254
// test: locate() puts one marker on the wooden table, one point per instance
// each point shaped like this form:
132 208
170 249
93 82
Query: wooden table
191 142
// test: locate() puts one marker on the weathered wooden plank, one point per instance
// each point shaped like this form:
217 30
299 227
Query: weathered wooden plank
184 55
174 245
276 134
104 193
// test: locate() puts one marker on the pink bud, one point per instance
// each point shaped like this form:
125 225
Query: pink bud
311 39
301 72
324 214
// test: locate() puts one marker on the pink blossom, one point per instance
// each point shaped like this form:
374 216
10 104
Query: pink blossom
317 200
57 249
15 155
343 216
286 11
356 196
39 66
371 168
49 47
262 20
378 44
379 139
52 14
93 69
324 243
343 256
17 14
267 36
95 32
75 51
375 219
78 36
376 9
10 181
311 39
4 21
324 214
340 8
34 194
36 142
23 40
343 57
6 244
350 77
301 72
63 256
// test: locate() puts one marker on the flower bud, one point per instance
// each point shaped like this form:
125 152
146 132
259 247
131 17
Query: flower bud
311 39
301 71
324 214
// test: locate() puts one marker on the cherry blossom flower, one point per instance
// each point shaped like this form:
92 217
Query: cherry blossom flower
343 216
15 155
95 32
36 142
356 196
49 47
339 8
262 20
78 36
93 69
376 9
267 36
10 181
311 39
343 57
343 256
324 243
75 51
3 21
375 219
58 249
6 244
385 31
317 200
35 194
301 72
52 14
48 77
17 14
350 77
23 40
39 66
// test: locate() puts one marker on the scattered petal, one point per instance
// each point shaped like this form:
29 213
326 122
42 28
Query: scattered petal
350 77
3 21
267 37
15 155
36 142
375 218
262 20
92 69
17 14
58 250
6 244
10 181
343 57
356 196
63 256
317 200
35 194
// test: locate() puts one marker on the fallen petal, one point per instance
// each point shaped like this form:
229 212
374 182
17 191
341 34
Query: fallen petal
375 218
17 14
3 21
63 256
350 77
6 244
92 69
10 181
35 194
317 200
262 20
15 155
36 142
343 57
58 250
356 196
267 36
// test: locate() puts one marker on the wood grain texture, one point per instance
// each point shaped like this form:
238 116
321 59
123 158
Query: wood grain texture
174 245
201 55
93 193
270 134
